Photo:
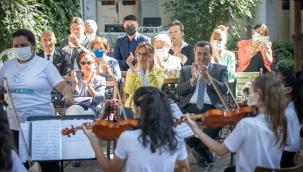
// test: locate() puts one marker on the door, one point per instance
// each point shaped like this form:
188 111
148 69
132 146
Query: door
107 14
271 19
128 7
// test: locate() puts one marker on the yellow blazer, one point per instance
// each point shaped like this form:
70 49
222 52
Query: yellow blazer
133 82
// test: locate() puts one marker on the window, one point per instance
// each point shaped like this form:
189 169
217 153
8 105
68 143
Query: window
285 4
112 2
129 2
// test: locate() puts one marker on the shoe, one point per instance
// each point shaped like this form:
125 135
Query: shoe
208 156
200 159
76 164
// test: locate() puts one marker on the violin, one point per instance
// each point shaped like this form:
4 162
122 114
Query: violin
105 129
216 118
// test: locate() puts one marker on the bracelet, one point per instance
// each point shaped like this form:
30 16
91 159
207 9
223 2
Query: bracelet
90 91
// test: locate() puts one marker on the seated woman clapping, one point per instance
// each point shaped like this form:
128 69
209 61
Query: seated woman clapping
155 146
87 84
144 74
169 63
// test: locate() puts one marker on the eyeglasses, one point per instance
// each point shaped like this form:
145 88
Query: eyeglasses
142 54
88 63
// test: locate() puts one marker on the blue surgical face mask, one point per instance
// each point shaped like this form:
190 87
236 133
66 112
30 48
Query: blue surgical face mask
249 103
99 53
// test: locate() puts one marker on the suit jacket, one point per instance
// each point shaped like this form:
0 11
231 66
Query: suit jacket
75 53
121 49
61 60
185 90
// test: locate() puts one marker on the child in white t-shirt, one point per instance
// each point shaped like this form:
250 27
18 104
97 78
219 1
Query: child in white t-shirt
258 141
292 84
155 146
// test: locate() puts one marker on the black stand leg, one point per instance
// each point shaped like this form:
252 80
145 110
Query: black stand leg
108 150
61 166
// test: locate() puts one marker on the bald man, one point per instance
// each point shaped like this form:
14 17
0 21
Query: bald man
59 58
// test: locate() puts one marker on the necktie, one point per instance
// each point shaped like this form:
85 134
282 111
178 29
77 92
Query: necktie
48 56
201 89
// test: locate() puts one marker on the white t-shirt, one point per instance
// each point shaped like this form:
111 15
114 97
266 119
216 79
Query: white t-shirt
140 159
17 164
255 144
30 86
293 130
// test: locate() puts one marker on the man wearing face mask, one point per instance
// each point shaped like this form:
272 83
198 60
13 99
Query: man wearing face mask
126 45
255 54
220 55
198 94
90 29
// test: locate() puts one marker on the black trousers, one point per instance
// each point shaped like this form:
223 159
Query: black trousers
230 169
287 159
211 132
49 166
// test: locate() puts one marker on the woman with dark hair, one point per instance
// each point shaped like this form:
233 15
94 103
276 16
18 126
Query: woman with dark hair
258 141
8 157
255 54
155 146
292 84
30 79
179 47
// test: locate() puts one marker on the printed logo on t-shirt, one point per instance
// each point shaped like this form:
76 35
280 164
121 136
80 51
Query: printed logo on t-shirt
23 91
18 78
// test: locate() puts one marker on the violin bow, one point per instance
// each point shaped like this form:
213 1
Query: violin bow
231 94
29 160
120 99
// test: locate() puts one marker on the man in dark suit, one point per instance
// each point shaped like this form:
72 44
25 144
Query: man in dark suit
198 94
76 43
60 59
126 45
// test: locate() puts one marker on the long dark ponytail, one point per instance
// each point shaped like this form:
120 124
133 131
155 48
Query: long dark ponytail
6 143
156 120
295 81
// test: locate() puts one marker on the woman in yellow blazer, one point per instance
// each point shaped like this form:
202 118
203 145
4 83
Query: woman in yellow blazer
144 73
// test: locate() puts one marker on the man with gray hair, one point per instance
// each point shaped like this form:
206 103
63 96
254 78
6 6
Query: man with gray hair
90 29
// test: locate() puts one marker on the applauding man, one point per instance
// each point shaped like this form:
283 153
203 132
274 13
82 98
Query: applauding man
198 94
76 43
126 45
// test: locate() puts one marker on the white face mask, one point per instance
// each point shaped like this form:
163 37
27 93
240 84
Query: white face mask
255 35
218 44
23 53
91 36
161 51
249 103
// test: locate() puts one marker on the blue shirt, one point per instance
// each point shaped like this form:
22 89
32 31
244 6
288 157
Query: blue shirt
123 47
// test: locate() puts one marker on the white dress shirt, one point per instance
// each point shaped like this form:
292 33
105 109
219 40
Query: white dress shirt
51 57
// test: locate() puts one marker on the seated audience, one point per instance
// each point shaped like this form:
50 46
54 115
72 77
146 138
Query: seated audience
292 85
90 29
76 43
144 74
254 54
257 141
198 94
220 55
169 63
180 48
87 84
126 45
59 58
155 146
107 67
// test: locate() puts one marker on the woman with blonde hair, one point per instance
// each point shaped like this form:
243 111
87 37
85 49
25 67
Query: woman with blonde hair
107 67
169 63
220 55
260 140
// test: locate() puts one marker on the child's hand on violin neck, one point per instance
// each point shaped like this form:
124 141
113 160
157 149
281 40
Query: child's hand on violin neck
190 122
87 132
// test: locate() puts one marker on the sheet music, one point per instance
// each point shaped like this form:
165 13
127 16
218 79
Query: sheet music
76 146
183 129
46 141
22 149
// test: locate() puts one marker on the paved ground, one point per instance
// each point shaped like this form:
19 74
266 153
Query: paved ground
220 163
